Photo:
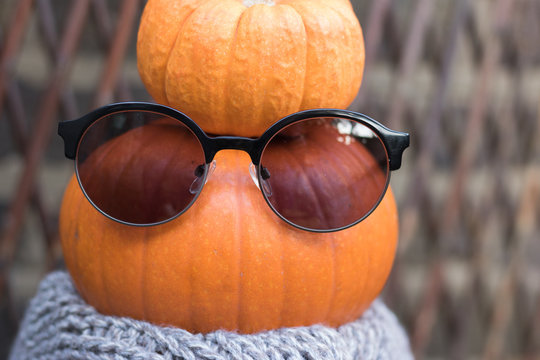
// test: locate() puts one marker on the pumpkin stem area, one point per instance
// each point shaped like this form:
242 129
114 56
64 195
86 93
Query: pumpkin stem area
248 3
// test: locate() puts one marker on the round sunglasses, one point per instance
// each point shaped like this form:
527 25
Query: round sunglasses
319 170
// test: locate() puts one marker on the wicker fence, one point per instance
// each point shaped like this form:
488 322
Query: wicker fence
462 76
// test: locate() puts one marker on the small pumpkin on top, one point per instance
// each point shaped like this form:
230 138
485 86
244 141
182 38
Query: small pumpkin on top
236 67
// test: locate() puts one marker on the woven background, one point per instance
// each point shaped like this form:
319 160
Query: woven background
462 76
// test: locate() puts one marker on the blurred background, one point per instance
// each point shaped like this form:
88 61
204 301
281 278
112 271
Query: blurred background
462 76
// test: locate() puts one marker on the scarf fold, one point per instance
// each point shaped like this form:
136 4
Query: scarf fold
58 325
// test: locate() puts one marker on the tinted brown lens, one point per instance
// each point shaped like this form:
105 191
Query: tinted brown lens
140 167
324 173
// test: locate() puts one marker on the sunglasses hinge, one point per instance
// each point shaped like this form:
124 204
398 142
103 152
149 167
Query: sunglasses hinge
397 143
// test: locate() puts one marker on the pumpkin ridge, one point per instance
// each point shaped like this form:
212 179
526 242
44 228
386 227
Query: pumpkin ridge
334 271
370 174
110 147
103 277
283 278
268 80
343 70
74 231
228 76
238 240
304 87
347 20
361 161
336 164
180 29
144 266
319 208
340 165
121 172
362 290
100 163
165 171
191 301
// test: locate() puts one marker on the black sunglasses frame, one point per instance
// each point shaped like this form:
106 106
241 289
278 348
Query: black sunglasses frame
395 142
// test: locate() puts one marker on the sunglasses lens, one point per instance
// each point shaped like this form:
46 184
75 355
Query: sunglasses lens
140 167
324 173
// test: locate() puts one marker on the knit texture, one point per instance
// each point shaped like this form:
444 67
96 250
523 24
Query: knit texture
58 324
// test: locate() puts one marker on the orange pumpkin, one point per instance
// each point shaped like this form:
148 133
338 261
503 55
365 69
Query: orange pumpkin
227 263
237 66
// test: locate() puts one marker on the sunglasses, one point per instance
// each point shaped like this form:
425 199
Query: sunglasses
319 170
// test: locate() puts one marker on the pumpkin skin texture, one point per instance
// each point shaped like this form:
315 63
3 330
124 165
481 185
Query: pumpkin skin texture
228 262
236 69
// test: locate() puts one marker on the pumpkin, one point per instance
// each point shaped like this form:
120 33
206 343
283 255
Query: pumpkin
228 262
236 67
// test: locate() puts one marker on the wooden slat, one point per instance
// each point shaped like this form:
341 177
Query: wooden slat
40 137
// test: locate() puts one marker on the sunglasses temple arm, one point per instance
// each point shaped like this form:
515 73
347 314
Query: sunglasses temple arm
70 131
396 144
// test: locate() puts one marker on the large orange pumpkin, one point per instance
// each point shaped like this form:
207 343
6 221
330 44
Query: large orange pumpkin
227 263
237 66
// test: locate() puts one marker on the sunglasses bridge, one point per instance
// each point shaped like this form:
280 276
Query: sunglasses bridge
214 144
249 145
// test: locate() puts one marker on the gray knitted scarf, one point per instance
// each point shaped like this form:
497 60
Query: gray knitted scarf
59 325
